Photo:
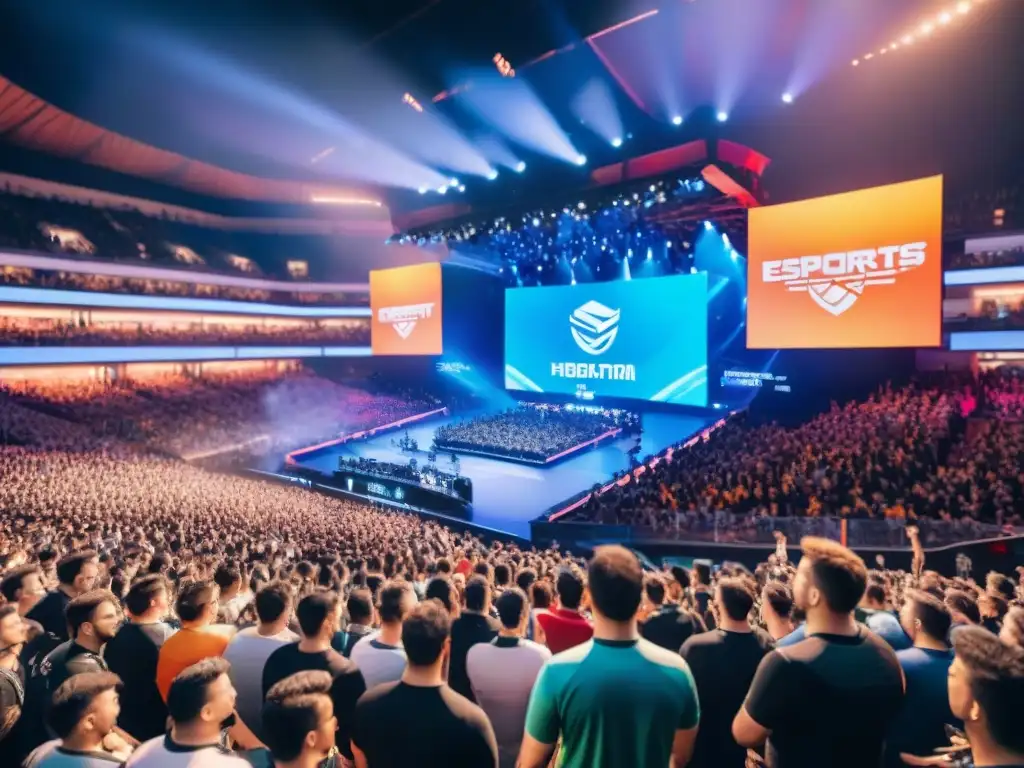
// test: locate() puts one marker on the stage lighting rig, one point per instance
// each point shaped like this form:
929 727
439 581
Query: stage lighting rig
503 65
409 99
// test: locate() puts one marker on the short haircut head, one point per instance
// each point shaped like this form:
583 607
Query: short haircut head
875 593
478 591
654 588
424 632
314 609
393 602
188 692
72 699
439 588
540 595
780 597
13 580
839 574
226 576
964 603
193 597
996 672
998 584
82 608
703 573
360 606
71 565
295 706
142 592
931 612
737 596
525 579
502 575
616 582
512 605
273 601
569 587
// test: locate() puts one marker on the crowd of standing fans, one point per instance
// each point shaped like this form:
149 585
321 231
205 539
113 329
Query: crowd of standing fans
534 433
260 411
904 453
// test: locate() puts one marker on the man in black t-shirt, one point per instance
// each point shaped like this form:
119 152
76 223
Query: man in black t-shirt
419 720
723 662
92 619
473 626
700 582
77 574
133 653
319 615
668 625
828 699
986 687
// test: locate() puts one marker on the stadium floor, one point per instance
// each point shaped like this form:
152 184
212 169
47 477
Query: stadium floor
506 495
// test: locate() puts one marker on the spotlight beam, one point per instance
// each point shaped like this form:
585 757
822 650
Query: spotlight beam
615 74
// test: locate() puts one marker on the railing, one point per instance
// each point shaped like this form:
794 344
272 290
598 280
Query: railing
748 530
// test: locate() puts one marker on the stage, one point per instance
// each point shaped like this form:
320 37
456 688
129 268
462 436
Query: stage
507 495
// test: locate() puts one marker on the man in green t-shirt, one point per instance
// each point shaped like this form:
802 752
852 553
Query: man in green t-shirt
617 700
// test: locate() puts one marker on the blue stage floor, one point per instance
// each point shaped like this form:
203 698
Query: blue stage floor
506 495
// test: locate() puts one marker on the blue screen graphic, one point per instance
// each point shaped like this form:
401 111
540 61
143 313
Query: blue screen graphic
640 339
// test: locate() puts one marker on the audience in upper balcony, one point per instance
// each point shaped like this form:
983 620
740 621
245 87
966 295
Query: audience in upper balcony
41 333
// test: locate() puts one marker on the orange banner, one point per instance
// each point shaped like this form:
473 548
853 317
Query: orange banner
859 269
406 307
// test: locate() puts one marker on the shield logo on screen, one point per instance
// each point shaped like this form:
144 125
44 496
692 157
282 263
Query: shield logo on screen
594 327
836 297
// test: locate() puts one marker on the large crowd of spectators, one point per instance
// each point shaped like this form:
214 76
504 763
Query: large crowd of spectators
901 454
158 615
1005 257
1002 392
194 418
19 332
533 433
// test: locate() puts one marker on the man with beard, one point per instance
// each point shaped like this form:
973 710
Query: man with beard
201 705
93 618
828 699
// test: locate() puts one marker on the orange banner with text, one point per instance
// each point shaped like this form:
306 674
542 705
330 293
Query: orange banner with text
854 270
406 307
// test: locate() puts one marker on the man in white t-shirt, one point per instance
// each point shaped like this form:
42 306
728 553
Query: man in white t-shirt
201 704
249 649
502 673
380 656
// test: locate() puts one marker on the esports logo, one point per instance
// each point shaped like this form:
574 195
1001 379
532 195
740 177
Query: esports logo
594 327
403 319
836 280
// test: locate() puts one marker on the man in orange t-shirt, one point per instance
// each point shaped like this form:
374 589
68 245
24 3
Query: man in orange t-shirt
196 606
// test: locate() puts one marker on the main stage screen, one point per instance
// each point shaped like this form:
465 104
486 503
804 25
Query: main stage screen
641 339
859 269
406 307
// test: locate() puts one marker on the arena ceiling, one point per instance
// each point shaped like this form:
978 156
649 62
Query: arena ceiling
312 90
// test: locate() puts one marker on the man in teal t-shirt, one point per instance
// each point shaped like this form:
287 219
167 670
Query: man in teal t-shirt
617 700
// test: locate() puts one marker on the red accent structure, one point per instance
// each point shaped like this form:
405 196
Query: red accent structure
424 216
615 74
725 184
742 157
654 164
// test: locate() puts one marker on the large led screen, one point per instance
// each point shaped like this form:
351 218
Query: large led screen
858 269
406 307
640 339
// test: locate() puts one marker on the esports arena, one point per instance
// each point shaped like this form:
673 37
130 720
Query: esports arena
640 234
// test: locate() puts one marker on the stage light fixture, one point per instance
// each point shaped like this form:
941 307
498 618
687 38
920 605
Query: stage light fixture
462 187
442 190
677 120
945 17
856 62
963 7
907 39
492 175
722 116
581 160
927 28
453 182
423 190
536 222
787 98
707 225
520 167
617 142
